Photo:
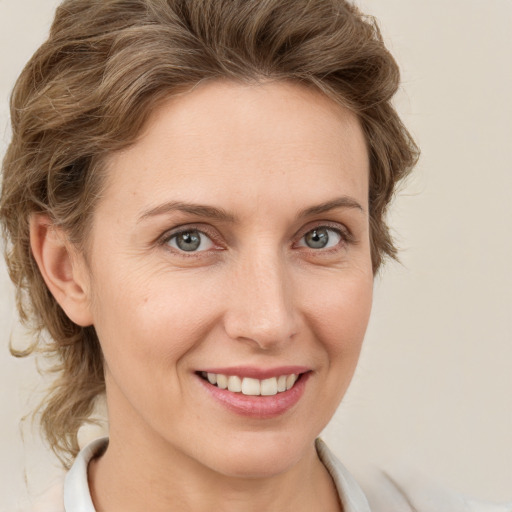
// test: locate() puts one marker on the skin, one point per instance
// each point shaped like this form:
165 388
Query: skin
254 294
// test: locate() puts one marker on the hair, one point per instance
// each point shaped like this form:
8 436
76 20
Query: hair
89 89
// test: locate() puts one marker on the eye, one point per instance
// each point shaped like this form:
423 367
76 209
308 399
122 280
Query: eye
321 238
191 240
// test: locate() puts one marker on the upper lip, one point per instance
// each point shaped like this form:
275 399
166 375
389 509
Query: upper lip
257 373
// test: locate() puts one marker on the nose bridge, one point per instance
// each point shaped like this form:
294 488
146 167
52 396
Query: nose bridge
262 307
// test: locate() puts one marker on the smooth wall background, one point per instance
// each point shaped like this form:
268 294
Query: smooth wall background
433 390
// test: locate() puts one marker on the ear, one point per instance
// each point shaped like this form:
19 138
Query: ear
63 269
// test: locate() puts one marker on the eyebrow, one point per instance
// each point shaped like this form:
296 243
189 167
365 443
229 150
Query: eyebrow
212 212
200 210
340 202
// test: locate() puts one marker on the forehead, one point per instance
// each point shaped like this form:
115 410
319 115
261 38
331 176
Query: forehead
227 141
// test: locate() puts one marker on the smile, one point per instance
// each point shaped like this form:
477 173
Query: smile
255 392
249 386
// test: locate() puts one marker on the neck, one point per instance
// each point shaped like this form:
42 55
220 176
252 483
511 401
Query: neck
127 478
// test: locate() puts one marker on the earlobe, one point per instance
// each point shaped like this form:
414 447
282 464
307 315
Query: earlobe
62 268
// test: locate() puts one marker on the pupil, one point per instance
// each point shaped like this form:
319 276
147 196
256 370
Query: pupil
317 239
189 241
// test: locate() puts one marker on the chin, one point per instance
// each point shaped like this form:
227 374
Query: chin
261 456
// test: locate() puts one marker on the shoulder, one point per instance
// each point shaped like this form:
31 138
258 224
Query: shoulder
407 491
398 491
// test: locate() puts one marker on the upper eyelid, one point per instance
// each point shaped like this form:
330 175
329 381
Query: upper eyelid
173 232
336 226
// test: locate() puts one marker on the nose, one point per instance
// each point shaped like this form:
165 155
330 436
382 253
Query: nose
262 310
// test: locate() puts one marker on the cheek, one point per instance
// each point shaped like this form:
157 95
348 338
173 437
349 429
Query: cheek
155 319
147 327
339 315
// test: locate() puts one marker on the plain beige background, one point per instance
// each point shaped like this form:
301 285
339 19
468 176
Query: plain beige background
433 390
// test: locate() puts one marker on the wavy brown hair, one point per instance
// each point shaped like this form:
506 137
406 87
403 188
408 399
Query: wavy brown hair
91 86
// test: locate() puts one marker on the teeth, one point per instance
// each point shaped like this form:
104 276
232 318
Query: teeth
269 387
222 381
290 381
235 384
252 387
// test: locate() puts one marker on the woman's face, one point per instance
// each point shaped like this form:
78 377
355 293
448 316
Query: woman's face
233 239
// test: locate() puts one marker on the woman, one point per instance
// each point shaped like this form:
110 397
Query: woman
193 202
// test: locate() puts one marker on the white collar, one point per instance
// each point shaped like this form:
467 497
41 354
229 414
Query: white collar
77 497
351 495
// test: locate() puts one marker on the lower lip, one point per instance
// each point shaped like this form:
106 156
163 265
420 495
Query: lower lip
262 407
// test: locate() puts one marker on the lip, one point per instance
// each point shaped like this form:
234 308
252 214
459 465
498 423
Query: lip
260 407
257 373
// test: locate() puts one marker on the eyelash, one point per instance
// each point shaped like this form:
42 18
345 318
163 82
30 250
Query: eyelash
346 238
